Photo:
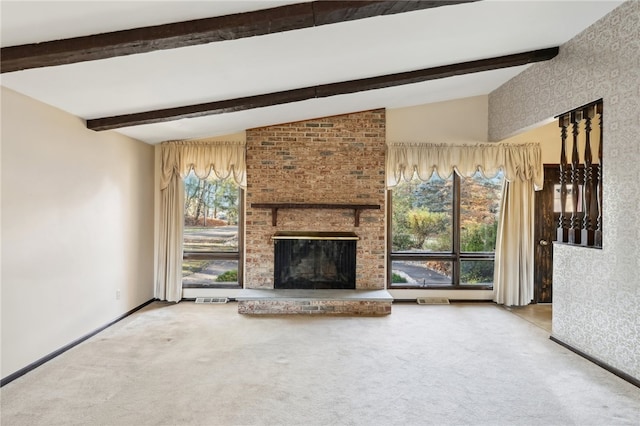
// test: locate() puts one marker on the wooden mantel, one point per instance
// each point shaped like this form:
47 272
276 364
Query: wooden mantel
357 208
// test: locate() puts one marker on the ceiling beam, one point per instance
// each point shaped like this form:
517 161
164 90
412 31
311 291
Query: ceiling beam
202 31
321 91
200 110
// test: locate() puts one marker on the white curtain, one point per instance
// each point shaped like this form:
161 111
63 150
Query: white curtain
523 171
224 159
513 271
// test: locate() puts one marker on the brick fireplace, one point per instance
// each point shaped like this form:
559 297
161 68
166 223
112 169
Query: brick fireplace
335 160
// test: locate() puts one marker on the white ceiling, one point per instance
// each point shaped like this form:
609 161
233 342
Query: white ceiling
277 62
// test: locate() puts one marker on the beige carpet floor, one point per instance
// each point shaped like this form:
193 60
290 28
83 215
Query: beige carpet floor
194 364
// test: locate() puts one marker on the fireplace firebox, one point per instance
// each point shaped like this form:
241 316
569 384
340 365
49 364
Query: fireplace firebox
315 260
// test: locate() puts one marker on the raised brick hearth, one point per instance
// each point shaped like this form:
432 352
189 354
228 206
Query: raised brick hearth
315 302
333 160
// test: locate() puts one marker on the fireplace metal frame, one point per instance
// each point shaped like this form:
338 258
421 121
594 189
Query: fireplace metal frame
345 266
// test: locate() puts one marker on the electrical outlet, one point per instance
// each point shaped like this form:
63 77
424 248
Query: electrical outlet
118 294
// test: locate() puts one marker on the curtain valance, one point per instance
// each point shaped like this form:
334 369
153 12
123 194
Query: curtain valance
222 158
518 161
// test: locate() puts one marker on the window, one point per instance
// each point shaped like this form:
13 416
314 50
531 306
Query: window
443 232
212 243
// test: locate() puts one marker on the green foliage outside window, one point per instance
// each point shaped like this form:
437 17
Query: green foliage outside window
397 278
422 215
479 236
228 276
476 272
426 226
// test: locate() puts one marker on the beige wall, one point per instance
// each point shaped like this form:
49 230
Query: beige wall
596 293
461 120
77 226
548 135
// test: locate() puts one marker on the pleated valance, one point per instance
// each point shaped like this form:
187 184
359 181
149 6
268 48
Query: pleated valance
204 157
518 161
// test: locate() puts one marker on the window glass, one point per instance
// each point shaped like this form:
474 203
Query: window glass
421 273
422 214
479 211
209 272
210 239
210 214
476 272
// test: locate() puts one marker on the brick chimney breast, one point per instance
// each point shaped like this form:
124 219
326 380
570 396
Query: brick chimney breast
331 160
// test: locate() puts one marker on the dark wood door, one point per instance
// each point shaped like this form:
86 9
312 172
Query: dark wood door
545 230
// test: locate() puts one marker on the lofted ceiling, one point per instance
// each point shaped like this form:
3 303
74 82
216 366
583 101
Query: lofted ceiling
240 82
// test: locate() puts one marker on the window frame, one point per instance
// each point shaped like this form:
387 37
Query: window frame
456 256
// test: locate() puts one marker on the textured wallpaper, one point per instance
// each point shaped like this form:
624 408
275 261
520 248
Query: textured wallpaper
596 293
